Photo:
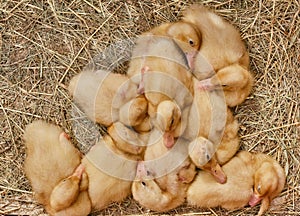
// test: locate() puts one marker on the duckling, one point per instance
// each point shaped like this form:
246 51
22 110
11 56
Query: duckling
224 49
206 119
163 177
66 190
158 68
234 80
81 207
205 125
50 173
70 196
237 192
227 148
186 35
207 115
127 139
269 181
101 94
110 172
150 193
168 120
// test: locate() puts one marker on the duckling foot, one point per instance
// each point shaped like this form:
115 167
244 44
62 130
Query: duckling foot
205 85
79 171
142 173
141 87
140 170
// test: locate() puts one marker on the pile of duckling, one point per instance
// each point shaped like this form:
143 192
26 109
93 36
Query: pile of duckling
171 136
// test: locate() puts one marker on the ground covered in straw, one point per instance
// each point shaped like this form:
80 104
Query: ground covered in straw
44 43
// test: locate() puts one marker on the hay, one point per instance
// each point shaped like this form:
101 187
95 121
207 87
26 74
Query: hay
44 43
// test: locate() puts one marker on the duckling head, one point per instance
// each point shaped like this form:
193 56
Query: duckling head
67 190
167 120
265 183
201 150
188 38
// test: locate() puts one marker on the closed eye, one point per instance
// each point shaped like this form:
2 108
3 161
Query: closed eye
207 156
172 122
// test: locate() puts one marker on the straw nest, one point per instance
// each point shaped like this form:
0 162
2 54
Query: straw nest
44 43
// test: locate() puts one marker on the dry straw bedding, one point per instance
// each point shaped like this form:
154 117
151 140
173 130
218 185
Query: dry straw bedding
45 43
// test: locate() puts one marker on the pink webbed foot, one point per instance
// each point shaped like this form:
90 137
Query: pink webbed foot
79 171
205 85
140 170
141 87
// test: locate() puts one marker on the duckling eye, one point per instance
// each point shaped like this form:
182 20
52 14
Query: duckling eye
172 122
144 184
224 85
191 42
258 188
